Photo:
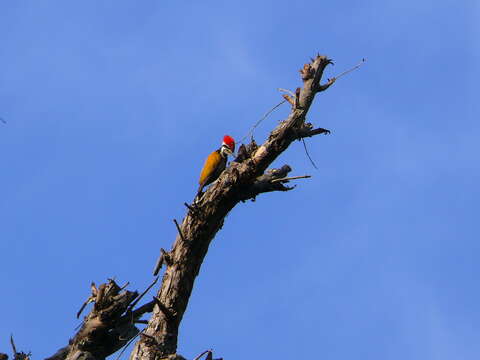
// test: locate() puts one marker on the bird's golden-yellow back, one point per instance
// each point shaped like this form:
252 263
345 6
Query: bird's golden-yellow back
210 164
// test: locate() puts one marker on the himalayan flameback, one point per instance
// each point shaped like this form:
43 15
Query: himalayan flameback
215 163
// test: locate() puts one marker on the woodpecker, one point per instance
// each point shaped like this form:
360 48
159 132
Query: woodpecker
215 163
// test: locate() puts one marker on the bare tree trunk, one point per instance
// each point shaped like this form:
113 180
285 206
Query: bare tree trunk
242 180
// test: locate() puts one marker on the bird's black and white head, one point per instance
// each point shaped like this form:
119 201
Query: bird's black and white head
228 146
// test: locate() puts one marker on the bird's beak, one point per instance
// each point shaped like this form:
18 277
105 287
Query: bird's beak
226 149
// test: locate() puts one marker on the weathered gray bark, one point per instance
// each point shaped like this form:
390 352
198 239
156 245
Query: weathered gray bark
242 180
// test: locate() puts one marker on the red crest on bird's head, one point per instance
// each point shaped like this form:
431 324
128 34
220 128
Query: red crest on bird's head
228 140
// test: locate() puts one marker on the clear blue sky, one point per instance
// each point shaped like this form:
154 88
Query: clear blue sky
112 107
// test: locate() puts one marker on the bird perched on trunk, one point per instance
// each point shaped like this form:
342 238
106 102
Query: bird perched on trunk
215 163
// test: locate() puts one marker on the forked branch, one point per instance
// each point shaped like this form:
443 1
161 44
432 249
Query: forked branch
108 326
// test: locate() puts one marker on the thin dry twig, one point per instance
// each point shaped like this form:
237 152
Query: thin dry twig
351 69
308 155
88 301
291 178
132 305
127 344
261 119
124 286
179 230
203 353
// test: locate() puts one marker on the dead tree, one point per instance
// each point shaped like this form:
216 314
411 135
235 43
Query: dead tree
112 321
244 179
